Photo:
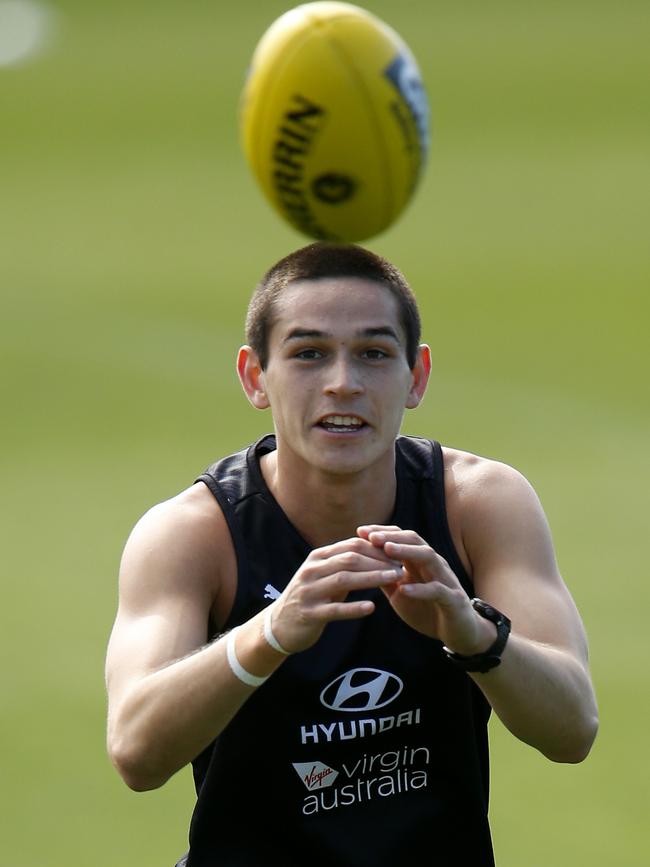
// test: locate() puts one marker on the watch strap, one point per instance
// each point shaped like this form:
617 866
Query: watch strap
490 658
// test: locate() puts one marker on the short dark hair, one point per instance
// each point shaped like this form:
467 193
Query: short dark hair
323 259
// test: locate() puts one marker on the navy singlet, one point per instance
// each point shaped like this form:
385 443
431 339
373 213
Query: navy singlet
367 750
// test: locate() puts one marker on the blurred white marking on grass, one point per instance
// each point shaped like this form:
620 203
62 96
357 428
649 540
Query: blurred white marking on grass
26 27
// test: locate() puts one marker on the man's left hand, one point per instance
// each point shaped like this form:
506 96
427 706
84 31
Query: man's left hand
429 596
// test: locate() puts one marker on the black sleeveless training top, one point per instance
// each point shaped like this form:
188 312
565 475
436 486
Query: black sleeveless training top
367 750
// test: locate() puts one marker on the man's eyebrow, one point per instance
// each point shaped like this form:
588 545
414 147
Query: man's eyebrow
380 331
315 333
300 333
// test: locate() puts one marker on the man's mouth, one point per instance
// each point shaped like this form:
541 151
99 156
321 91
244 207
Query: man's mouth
342 423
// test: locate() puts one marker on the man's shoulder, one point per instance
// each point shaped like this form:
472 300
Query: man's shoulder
192 515
194 504
472 465
181 546
476 481
463 469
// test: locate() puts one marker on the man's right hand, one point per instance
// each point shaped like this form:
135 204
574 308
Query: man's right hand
317 593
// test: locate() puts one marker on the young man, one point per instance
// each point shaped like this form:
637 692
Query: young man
321 623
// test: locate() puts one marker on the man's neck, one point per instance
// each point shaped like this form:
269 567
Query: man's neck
327 507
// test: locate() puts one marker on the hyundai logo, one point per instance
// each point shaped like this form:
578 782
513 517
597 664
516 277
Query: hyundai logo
361 689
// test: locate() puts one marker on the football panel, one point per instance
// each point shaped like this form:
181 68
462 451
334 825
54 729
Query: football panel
397 97
328 125
312 138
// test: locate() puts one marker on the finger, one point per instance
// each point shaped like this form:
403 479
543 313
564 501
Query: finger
365 530
393 534
346 582
354 545
423 561
379 534
343 610
431 591
414 553
353 561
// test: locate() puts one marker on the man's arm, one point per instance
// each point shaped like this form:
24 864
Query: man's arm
544 693
542 690
169 693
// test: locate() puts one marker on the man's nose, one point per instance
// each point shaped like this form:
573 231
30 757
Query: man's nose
343 377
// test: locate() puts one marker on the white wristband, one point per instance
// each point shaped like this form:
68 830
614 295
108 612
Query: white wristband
270 637
237 669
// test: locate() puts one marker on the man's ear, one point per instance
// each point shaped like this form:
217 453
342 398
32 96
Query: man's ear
251 377
420 377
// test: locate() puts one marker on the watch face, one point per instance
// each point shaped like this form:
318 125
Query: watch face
483 662
487 611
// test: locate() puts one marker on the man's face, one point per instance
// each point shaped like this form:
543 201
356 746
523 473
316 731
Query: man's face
337 378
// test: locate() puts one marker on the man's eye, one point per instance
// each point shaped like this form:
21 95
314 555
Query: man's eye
308 354
375 354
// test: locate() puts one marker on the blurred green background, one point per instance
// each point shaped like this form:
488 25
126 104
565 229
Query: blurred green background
131 234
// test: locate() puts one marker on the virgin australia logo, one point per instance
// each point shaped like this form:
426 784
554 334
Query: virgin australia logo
361 689
315 775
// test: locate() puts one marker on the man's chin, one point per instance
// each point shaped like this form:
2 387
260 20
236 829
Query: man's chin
343 459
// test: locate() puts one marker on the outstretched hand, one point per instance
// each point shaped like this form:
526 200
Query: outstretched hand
318 592
428 595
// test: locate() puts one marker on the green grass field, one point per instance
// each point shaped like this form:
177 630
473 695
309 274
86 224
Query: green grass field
131 234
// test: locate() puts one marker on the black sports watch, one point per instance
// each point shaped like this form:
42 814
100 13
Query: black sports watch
492 656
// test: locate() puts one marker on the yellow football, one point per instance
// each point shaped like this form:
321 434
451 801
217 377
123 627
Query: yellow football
335 121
